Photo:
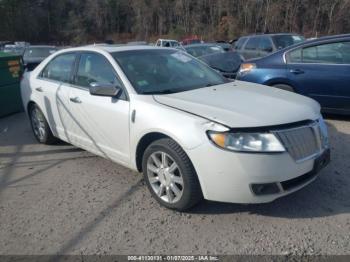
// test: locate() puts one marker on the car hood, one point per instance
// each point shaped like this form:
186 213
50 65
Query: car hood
243 104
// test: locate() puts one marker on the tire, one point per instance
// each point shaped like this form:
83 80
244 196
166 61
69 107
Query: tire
162 181
285 87
40 127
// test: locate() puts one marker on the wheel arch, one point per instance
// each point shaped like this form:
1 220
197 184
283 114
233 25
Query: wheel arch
143 143
29 105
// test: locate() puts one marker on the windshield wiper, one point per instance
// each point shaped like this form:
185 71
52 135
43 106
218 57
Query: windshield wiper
163 92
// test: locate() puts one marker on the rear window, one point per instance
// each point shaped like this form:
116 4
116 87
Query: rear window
283 41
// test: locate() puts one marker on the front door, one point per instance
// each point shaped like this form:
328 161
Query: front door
102 123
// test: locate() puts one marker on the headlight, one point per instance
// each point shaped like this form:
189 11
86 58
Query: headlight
246 68
246 142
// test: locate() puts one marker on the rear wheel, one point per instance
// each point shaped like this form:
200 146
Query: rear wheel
40 127
170 176
285 87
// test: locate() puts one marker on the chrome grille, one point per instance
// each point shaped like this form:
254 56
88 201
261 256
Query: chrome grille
303 142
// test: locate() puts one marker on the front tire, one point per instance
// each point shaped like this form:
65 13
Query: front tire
170 175
40 127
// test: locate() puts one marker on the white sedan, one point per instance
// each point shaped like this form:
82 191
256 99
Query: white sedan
191 132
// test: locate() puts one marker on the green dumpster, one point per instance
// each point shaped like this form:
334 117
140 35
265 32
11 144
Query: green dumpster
10 74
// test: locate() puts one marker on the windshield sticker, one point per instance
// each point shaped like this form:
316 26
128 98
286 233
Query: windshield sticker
296 38
215 48
142 83
181 57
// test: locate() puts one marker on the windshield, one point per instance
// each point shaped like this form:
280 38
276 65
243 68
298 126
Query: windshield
39 52
165 71
283 41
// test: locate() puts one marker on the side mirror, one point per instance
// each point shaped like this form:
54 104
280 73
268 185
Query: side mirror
104 89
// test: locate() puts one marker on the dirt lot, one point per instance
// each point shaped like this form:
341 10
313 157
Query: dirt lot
62 200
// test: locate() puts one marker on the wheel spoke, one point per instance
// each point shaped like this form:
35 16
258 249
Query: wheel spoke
169 195
154 179
153 168
175 189
161 190
172 168
164 160
177 180
156 160
41 132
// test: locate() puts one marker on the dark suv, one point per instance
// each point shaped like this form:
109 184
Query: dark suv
256 46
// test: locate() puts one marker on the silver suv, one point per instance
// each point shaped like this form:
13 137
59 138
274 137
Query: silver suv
256 46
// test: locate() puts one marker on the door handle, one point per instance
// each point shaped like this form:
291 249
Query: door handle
39 89
75 100
297 71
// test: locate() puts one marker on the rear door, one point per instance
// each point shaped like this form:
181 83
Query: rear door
322 72
102 122
49 89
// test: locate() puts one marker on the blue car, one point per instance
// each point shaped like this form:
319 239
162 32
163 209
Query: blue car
318 68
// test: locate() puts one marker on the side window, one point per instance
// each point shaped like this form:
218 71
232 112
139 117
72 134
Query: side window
294 56
265 44
95 68
333 53
59 68
253 44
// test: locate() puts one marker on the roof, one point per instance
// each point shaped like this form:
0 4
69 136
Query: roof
41 46
318 40
112 48
272 34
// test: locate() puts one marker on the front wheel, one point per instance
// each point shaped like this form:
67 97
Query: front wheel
170 176
40 127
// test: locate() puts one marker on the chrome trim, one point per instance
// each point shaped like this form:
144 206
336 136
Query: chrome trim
294 149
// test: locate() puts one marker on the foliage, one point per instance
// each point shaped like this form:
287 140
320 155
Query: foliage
82 21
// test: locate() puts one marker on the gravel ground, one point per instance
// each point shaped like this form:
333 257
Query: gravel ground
62 200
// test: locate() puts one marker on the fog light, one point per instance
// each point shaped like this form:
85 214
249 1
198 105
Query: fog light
265 189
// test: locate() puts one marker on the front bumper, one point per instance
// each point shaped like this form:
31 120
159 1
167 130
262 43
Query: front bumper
230 177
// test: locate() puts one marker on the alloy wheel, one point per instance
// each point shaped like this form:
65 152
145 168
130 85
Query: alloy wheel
165 177
38 123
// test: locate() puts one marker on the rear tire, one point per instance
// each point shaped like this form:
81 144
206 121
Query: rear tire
285 87
170 175
40 127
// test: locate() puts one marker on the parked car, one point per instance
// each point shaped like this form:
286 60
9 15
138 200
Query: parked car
14 49
318 68
226 63
226 46
198 50
255 46
190 131
35 54
167 43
